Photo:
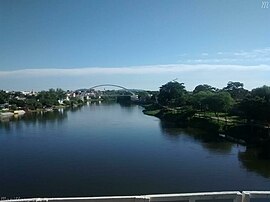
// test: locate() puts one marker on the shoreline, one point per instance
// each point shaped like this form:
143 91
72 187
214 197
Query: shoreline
241 133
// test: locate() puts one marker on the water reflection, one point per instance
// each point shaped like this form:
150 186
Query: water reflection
34 119
250 158
210 142
251 161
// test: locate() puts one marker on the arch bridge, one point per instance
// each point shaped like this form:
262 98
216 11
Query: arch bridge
113 85
132 95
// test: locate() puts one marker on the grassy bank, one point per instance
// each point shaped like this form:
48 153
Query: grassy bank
232 128
152 112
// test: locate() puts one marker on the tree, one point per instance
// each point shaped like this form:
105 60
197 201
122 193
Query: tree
172 94
204 87
252 107
32 103
60 94
257 105
234 85
17 102
144 96
200 100
236 89
220 102
262 92
3 97
48 98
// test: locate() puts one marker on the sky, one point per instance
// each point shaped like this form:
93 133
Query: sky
140 44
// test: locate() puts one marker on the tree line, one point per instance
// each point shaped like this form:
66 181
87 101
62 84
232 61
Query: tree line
233 99
42 99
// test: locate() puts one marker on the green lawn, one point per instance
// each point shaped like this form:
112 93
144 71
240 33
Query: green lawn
151 112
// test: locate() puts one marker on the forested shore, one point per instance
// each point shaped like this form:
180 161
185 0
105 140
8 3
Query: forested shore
232 112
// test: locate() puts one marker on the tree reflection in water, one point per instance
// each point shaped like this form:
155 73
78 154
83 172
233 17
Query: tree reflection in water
251 158
33 119
209 141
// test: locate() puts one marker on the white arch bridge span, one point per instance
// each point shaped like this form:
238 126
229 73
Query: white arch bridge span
113 85
132 95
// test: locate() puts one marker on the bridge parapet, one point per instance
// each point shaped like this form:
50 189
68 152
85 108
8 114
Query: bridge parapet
247 195
235 196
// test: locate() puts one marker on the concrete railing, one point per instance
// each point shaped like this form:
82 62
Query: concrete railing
247 195
192 197
234 196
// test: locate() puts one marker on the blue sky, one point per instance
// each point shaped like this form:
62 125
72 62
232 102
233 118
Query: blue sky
139 44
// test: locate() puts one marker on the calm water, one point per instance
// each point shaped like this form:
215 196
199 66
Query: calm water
108 149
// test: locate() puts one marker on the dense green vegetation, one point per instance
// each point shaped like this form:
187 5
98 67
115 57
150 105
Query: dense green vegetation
231 101
232 110
40 100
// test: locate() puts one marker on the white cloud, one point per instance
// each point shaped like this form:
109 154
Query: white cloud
183 55
256 56
151 69
205 54
249 67
144 77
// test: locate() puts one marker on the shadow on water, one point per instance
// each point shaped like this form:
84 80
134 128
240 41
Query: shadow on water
252 159
210 142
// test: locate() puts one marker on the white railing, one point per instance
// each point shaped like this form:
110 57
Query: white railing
235 196
86 199
192 197
247 195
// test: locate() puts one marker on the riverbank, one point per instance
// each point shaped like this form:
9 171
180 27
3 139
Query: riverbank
8 114
230 128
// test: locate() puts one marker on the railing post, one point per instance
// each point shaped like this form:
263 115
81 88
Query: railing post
245 197
238 198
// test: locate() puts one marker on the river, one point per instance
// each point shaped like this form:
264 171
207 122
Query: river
111 149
